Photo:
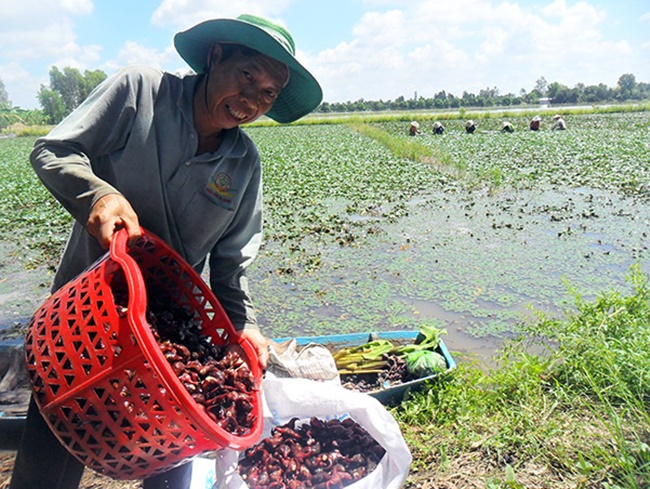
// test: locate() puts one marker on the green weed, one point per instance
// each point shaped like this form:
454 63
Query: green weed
578 407
400 147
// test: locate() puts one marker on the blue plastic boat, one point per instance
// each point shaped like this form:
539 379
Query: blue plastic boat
390 394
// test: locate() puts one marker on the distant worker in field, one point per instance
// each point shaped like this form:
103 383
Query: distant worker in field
438 128
535 123
507 127
470 127
559 123
414 128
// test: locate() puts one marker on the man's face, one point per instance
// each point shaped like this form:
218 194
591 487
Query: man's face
241 88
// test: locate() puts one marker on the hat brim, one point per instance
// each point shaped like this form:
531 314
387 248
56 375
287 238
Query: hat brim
298 98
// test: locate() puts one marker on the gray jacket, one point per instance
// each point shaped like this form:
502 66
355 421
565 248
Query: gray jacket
135 135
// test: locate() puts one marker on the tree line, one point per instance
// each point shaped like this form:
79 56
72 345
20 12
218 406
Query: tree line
626 90
69 87
66 90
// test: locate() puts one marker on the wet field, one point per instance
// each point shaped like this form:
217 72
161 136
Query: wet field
494 230
475 265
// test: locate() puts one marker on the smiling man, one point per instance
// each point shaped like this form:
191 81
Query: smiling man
240 85
152 149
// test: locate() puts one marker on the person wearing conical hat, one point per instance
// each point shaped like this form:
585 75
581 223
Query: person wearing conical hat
470 127
155 150
559 124
535 123
506 126
414 128
438 128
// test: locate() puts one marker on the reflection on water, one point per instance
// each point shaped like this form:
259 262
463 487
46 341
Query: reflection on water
478 264
457 339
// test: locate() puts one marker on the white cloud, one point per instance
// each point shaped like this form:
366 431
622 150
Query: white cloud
39 32
54 40
42 11
494 44
133 53
382 29
182 14
81 57
77 7
21 85
471 45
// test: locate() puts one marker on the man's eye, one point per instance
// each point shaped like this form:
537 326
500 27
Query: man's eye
247 75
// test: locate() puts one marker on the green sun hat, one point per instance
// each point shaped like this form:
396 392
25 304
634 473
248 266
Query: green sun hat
298 98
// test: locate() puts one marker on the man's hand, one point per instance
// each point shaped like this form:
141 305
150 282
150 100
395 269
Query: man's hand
110 213
260 343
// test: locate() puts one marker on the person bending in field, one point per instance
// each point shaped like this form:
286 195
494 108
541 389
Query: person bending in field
535 123
470 127
438 128
507 127
558 124
166 152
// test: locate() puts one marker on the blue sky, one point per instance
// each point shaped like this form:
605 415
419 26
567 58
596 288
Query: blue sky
370 49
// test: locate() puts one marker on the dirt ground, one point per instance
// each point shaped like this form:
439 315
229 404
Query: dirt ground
470 471
90 480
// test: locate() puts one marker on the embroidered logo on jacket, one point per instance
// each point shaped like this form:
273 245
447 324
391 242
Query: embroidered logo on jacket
220 190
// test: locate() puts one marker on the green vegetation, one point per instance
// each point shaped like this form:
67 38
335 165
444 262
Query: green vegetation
29 217
587 155
627 90
574 415
475 228
67 89
367 227
460 114
13 120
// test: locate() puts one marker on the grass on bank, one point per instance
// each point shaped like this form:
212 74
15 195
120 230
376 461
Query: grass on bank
573 415
475 113
20 130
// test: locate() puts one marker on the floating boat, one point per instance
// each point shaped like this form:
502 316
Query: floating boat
388 394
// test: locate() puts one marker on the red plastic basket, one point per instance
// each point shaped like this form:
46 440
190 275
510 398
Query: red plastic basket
100 379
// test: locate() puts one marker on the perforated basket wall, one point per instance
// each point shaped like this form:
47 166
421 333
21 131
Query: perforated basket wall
101 381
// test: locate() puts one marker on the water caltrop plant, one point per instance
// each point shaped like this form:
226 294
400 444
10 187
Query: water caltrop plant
485 235
575 411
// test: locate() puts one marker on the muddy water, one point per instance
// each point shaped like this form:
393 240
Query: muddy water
22 288
474 264
457 339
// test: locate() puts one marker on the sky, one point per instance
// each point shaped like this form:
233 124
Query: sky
357 49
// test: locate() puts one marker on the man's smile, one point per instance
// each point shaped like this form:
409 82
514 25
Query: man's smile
240 116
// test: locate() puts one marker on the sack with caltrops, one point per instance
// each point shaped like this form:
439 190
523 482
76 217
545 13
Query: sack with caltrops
318 435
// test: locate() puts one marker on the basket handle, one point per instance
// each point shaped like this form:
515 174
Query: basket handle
137 292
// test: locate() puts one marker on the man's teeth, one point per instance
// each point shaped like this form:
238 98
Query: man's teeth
236 114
